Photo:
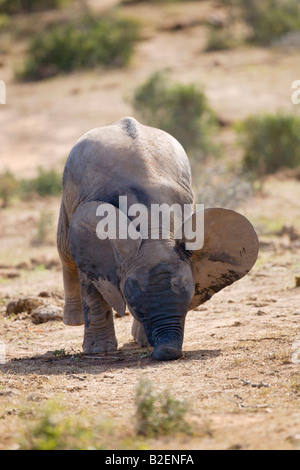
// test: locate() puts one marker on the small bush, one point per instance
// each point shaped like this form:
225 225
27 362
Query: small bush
270 142
28 6
52 428
8 187
270 19
219 40
218 186
158 414
137 2
266 20
180 110
44 226
4 21
46 183
91 42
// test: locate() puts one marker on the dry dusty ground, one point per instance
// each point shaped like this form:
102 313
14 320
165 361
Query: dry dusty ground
239 373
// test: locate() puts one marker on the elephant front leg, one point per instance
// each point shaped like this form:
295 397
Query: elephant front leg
99 331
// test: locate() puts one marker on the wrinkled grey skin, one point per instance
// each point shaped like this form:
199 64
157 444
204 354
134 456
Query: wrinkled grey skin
157 279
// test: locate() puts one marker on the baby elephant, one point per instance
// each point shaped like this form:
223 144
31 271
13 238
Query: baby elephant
118 246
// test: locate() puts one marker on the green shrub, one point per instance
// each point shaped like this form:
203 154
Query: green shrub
180 110
8 187
43 228
270 142
266 20
52 428
271 19
91 42
158 414
220 186
28 6
46 183
4 21
220 40
136 2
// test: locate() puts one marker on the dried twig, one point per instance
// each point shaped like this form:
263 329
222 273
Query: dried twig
254 385
259 385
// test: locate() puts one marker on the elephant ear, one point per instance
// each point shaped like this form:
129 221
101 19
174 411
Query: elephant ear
229 252
97 252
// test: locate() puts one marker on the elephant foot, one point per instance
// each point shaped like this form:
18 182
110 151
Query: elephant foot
73 315
139 334
95 345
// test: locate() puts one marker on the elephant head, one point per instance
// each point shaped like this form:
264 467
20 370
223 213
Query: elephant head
160 280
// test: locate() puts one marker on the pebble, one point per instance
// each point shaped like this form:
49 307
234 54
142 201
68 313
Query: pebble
260 313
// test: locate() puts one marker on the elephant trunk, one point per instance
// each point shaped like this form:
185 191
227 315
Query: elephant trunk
166 353
167 339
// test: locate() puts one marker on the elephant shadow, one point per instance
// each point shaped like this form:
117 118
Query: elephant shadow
130 355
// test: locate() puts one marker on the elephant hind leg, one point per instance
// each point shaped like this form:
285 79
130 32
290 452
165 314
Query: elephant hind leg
138 333
73 314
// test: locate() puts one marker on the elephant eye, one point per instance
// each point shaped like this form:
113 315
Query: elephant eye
182 249
187 252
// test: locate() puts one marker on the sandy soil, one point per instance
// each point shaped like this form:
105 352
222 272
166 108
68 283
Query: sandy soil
239 372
